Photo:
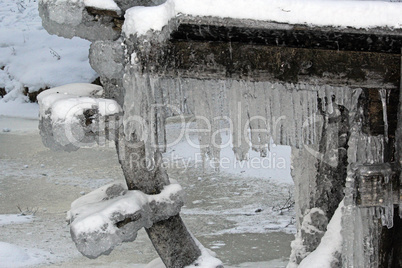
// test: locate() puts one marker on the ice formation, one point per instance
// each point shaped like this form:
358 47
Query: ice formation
360 230
110 215
75 115
254 112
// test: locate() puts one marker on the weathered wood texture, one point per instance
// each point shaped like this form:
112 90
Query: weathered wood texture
219 60
227 30
170 237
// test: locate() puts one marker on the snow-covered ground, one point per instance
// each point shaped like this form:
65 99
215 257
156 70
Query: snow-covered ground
31 59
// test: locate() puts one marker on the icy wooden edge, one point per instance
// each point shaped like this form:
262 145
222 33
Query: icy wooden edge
110 215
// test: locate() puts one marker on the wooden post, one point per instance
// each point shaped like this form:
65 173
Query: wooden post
171 239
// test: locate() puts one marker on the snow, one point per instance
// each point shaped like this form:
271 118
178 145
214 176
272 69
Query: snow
159 15
356 14
207 258
102 4
31 58
331 243
19 108
14 219
15 256
94 218
68 101
95 209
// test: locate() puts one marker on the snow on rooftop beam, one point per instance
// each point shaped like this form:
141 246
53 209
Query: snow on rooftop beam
342 14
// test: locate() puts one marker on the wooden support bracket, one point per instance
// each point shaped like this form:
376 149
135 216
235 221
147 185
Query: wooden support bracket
374 182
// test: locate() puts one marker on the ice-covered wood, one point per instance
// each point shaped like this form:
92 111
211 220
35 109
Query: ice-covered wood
104 218
287 113
378 185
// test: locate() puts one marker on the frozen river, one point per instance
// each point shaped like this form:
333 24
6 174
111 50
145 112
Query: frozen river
234 213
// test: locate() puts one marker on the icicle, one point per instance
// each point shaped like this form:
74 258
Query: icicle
369 152
215 139
268 111
306 117
140 116
287 113
203 98
316 119
158 115
298 119
348 222
400 196
238 113
369 242
321 95
252 106
276 112
388 216
282 123
384 100
328 98
258 118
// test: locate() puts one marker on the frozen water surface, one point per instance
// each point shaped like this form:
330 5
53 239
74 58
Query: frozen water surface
232 214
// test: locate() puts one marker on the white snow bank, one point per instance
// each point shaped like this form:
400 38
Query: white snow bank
31 58
6 219
19 108
356 14
206 260
69 101
141 19
15 256
331 243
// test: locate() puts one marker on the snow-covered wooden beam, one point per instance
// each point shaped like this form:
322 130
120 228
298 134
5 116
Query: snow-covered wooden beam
110 215
76 115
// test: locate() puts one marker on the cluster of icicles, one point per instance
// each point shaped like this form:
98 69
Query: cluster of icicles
253 112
